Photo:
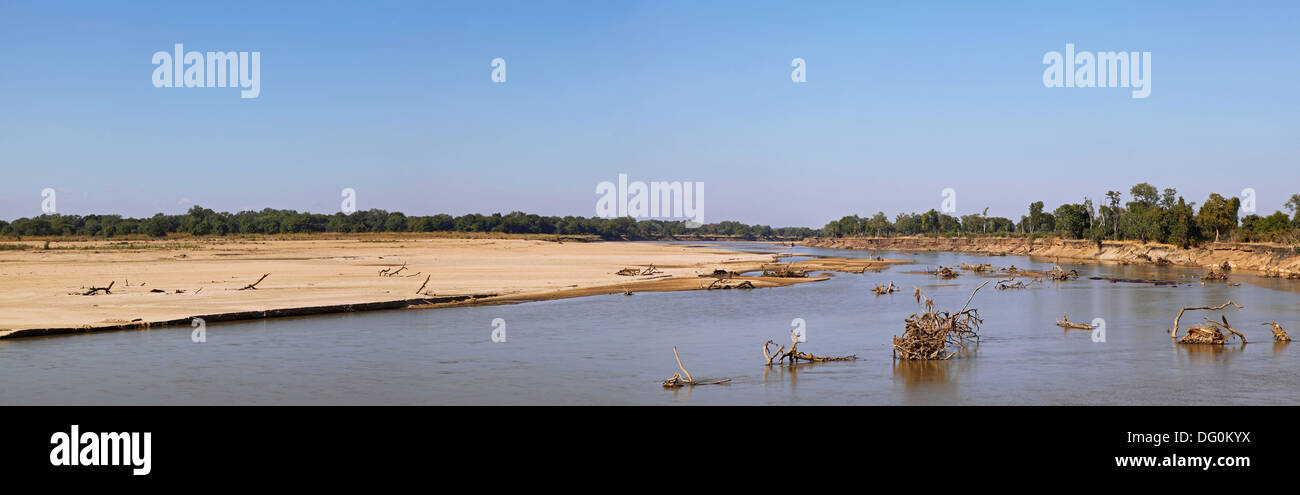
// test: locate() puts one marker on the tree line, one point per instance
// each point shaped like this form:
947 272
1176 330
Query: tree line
1148 215
205 222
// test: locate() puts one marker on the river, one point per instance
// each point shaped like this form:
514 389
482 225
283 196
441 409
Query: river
615 349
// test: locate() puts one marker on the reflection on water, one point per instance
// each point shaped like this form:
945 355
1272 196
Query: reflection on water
1210 353
616 350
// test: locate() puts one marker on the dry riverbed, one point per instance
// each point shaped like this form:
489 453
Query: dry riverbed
167 282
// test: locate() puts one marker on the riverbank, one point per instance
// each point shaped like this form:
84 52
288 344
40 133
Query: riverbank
1271 259
169 282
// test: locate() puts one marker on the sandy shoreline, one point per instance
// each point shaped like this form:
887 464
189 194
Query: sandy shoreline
168 282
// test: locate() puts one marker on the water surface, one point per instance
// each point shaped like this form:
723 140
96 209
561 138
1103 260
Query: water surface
615 349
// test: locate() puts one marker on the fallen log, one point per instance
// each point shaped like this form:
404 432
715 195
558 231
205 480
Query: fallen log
1067 324
1135 280
746 284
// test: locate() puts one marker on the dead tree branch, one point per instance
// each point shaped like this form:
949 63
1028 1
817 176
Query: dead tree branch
94 290
253 286
1173 333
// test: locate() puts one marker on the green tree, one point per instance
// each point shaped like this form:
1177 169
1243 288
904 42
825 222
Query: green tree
1218 215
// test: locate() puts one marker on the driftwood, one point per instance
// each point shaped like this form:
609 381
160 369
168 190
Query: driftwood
1067 324
1278 273
388 272
885 289
721 284
1011 283
720 273
795 355
785 272
677 380
945 272
1215 274
1135 280
1173 332
1212 333
980 268
1060 274
426 282
1279 335
931 335
94 290
253 286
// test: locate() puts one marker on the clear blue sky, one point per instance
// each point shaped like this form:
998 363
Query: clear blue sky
394 99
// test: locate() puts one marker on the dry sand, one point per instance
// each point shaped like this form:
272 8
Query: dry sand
41 289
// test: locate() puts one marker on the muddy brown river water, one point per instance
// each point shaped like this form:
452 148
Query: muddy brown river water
615 349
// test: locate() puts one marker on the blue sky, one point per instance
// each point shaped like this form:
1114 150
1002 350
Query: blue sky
395 100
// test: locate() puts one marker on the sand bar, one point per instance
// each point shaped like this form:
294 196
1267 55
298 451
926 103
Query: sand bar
167 282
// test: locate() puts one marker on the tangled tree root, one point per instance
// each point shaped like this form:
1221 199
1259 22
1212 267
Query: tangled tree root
1205 334
788 271
794 355
677 380
1062 275
932 334
1279 335
1215 274
1067 324
945 273
1212 333
885 289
